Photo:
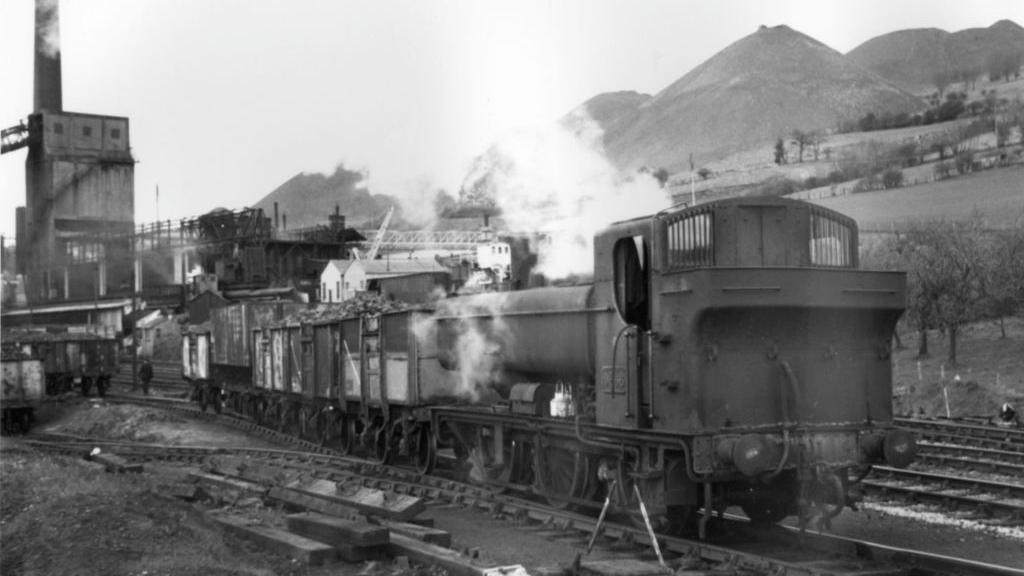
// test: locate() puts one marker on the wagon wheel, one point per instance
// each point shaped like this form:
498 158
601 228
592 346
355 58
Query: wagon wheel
21 421
307 424
560 474
425 449
218 406
382 445
291 421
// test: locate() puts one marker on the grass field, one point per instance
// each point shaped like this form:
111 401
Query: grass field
990 370
997 194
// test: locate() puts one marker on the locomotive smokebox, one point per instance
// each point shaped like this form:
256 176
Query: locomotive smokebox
547 333
47 89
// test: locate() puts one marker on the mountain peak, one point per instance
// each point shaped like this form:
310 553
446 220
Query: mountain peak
912 58
762 86
1006 24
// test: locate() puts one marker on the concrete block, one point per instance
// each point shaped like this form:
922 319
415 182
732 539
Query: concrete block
366 500
361 553
432 535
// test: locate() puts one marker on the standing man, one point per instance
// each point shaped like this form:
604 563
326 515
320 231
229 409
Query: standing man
145 374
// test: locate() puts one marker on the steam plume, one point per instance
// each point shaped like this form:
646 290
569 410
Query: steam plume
559 183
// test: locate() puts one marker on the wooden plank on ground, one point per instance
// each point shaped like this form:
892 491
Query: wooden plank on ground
114 463
312 503
337 531
424 533
248 469
433 555
622 567
225 482
276 540
366 500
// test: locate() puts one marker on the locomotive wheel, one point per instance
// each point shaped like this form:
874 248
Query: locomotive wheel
425 454
560 475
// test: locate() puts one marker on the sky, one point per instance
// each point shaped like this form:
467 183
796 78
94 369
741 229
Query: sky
228 99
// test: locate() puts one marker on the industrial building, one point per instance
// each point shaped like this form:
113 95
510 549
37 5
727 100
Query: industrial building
73 234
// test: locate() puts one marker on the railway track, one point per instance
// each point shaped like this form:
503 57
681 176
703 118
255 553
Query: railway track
733 544
966 434
954 492
960 457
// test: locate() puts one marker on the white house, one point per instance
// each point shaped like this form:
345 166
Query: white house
495 256
332 280
343 279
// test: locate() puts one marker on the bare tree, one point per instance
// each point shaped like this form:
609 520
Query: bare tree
802 140
779 152
1004 274
817 138
946 264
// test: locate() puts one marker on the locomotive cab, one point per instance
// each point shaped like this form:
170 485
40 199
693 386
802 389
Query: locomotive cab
746 326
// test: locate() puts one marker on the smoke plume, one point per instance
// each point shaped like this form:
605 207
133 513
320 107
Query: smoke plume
558 183
48 27
475 333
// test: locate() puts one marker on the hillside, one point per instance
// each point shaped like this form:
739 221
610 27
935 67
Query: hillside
307 199
912 58
759 88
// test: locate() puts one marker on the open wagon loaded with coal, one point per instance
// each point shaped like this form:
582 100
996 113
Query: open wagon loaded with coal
70 360
23 387
730 353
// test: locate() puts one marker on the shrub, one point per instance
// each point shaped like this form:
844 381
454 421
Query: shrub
943 170
892 178
964 162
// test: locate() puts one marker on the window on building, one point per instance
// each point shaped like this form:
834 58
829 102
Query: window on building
115 133
58 128
86 130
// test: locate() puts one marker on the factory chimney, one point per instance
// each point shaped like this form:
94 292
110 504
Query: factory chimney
47 57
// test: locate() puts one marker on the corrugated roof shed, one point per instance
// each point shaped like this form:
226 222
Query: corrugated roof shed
387 267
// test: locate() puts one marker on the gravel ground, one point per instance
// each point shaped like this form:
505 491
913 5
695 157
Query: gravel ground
915 528
142 520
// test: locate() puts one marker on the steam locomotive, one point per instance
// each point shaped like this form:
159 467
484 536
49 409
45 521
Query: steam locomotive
730 353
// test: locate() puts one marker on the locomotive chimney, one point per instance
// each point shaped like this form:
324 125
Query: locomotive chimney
277 218
47 89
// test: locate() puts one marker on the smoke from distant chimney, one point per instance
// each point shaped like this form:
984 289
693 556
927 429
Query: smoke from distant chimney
47 57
